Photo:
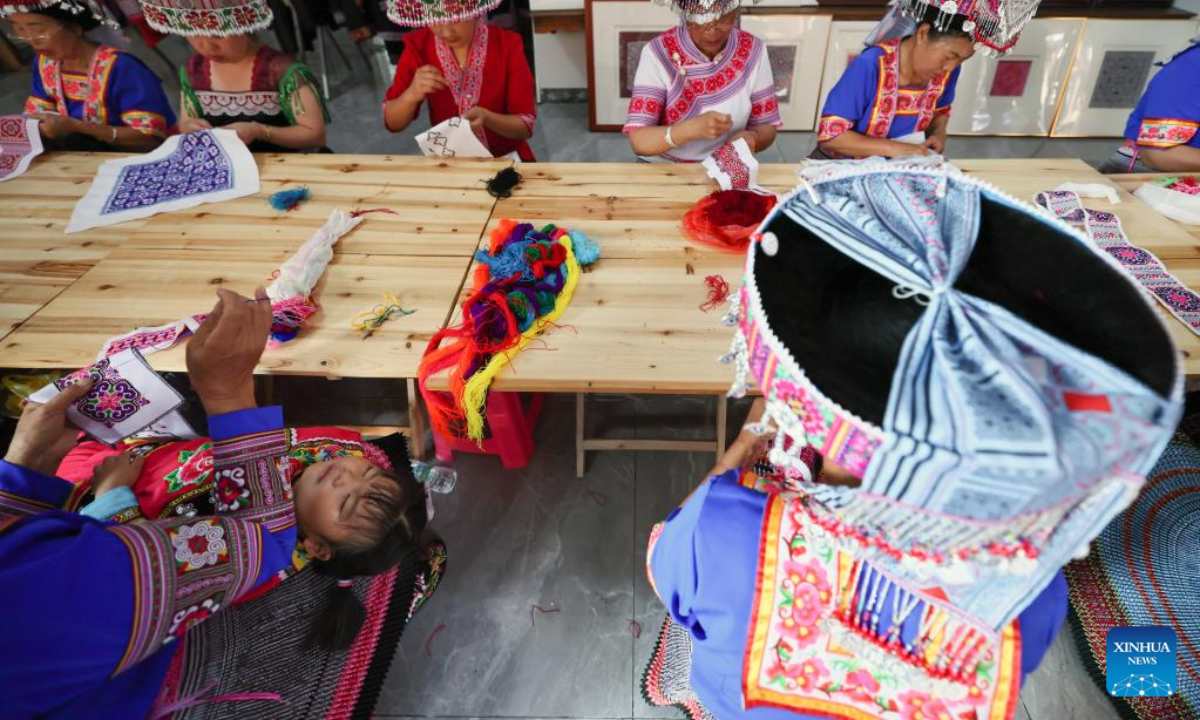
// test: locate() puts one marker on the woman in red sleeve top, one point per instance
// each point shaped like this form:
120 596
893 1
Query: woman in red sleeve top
463 67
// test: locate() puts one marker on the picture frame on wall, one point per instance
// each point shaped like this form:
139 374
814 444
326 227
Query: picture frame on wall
845 43
1113 64
1017 94
796 48
617 30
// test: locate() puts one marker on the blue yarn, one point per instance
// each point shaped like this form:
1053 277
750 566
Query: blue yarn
288 199
587 251
511 260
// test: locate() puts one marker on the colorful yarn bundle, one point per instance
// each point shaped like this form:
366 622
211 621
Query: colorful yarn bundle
370 321
287 200
727 218
522 283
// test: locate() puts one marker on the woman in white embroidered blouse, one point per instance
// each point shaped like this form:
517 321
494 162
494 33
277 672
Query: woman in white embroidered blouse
701 84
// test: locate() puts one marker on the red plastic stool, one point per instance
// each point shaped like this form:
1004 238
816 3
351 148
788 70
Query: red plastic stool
511 425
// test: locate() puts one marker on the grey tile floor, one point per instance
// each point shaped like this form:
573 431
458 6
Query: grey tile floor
539 536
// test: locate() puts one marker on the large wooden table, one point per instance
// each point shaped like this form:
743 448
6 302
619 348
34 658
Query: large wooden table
635 324
169 266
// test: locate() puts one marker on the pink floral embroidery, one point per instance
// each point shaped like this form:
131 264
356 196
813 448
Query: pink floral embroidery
920 706
1166 132
112 398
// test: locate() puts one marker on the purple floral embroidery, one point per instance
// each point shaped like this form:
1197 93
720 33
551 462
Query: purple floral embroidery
112 399
198 166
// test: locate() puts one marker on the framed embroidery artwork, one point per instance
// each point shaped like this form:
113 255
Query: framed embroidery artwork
127 397
1018 93
185 171
1114 62
617 30
20 143
794 43
845 43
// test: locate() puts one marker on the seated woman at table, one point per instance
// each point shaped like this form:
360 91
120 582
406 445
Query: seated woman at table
863 550
236 82
146 583
88 96
702 84
1161 135
894 99
462 66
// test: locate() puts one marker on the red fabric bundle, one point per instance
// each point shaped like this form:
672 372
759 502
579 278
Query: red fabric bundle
727 218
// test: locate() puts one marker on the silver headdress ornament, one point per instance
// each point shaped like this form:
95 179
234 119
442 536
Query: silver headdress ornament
994 25
702 12
78 8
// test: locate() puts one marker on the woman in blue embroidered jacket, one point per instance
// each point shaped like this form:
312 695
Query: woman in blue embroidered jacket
945 429
894 90
88 96
1161 135
144 584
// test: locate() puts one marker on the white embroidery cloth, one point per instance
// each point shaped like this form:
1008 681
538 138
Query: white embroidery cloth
300 273
1178 206
452 138
20 143
733 166
185 171
1102 191
127 397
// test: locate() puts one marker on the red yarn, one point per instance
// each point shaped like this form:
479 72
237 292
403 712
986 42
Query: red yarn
727 218
718 292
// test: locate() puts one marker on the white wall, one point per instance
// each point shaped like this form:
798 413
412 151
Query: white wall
561 59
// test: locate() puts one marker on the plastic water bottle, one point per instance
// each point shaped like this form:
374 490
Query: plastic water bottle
438 478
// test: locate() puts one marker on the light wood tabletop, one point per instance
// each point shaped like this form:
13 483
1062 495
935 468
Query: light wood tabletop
435 207
139 286
166 267
38 261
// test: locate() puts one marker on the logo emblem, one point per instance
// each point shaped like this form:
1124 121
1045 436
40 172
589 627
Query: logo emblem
1140 661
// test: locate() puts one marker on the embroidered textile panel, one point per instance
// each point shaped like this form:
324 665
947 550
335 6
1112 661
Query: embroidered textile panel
629 56
1123 76
1010 78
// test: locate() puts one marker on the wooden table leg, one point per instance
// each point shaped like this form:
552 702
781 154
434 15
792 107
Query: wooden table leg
266 389
416 420
722 419
580 453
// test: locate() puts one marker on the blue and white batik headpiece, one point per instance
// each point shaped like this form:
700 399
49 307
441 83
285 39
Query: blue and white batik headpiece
1000 385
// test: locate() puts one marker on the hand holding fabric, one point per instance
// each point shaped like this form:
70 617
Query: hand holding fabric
117 471
247 132
52 125
478 117
223 353
936 143
43 434
191 125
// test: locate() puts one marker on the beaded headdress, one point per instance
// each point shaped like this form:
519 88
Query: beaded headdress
916 327
702 11
423 13
212 18
82 12
994 25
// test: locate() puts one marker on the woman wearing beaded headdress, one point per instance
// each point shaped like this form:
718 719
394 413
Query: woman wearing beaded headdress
1161 135
943 426
701 84
86 96
462 66
894 98
238 83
